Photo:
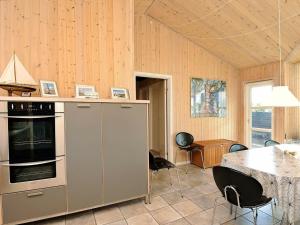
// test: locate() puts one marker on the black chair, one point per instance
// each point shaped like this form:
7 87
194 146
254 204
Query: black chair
237 148
271 143
240 190
158 163
185 142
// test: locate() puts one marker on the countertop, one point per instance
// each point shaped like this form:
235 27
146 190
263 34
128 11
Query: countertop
50 99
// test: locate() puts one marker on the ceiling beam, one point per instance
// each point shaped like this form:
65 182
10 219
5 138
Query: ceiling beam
294 55
141 6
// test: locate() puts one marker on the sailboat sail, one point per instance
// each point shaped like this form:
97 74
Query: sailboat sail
8 76
22 75
16 74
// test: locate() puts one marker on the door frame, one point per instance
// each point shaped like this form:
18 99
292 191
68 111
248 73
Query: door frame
169 106
247 107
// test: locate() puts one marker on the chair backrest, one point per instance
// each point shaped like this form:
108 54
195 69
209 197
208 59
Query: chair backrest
184 139
271 143
152 163
249 189
237 147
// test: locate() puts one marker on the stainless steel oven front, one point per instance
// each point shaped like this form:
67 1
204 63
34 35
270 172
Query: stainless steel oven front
32 146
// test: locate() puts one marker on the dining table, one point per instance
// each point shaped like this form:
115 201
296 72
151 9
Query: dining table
277 168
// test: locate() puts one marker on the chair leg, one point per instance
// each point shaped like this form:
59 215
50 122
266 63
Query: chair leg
170 177
282 219
231 206
202 158
214 211
273 220
186 160
179 181
254 216
235 214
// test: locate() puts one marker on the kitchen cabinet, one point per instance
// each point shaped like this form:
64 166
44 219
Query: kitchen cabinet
83 155
106 161
125 151
27 205
213 151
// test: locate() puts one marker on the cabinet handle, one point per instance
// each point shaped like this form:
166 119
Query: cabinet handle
126 106
34 194
84 105
29 117
31 164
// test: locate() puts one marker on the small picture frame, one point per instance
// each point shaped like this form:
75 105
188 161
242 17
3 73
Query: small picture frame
86 91
48 88
119 93
26 94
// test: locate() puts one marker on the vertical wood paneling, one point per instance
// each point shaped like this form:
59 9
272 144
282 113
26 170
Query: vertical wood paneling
293 113
71 41
158 49
123 43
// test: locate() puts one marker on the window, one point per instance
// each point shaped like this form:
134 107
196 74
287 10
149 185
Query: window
259 119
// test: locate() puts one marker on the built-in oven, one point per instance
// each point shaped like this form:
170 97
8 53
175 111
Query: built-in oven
32 149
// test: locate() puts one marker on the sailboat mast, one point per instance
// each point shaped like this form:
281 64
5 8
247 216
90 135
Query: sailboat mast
15 71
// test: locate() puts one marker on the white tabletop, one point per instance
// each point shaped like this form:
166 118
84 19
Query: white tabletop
271 160
277 170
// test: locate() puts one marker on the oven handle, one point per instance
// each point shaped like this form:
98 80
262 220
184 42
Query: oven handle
33 163
30 117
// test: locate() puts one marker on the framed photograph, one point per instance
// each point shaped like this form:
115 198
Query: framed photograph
26 94
48 88
86 91
208 98
119 93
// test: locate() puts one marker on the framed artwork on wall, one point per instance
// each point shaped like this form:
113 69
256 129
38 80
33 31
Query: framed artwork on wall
208 98
48 88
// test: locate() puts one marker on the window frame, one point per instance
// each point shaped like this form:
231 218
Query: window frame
248 112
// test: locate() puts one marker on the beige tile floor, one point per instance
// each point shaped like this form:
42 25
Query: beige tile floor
168 207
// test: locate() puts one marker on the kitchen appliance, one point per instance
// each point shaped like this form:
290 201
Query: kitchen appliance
32 148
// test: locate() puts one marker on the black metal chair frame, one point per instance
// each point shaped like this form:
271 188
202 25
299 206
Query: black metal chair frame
272 143
188 151
152 173
237 195
243 147
254 210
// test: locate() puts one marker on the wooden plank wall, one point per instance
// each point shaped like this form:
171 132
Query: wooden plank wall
293 113
158 49
70 41
254 74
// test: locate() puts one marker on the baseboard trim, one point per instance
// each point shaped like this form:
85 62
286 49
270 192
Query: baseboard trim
183 163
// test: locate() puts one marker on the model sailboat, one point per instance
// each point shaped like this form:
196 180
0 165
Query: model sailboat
16 78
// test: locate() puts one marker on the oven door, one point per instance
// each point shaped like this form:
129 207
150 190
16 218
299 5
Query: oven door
31 138
28 176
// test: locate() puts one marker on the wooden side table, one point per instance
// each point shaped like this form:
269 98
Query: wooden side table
213 151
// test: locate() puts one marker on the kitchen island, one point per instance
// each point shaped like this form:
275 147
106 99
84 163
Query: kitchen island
105 148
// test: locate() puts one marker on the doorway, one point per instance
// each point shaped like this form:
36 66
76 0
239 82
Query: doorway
259 119
156 89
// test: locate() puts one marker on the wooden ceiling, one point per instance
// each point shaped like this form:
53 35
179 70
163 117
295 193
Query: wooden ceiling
241 32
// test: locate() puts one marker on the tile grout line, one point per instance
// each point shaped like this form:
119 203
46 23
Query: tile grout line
94 217
122 214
